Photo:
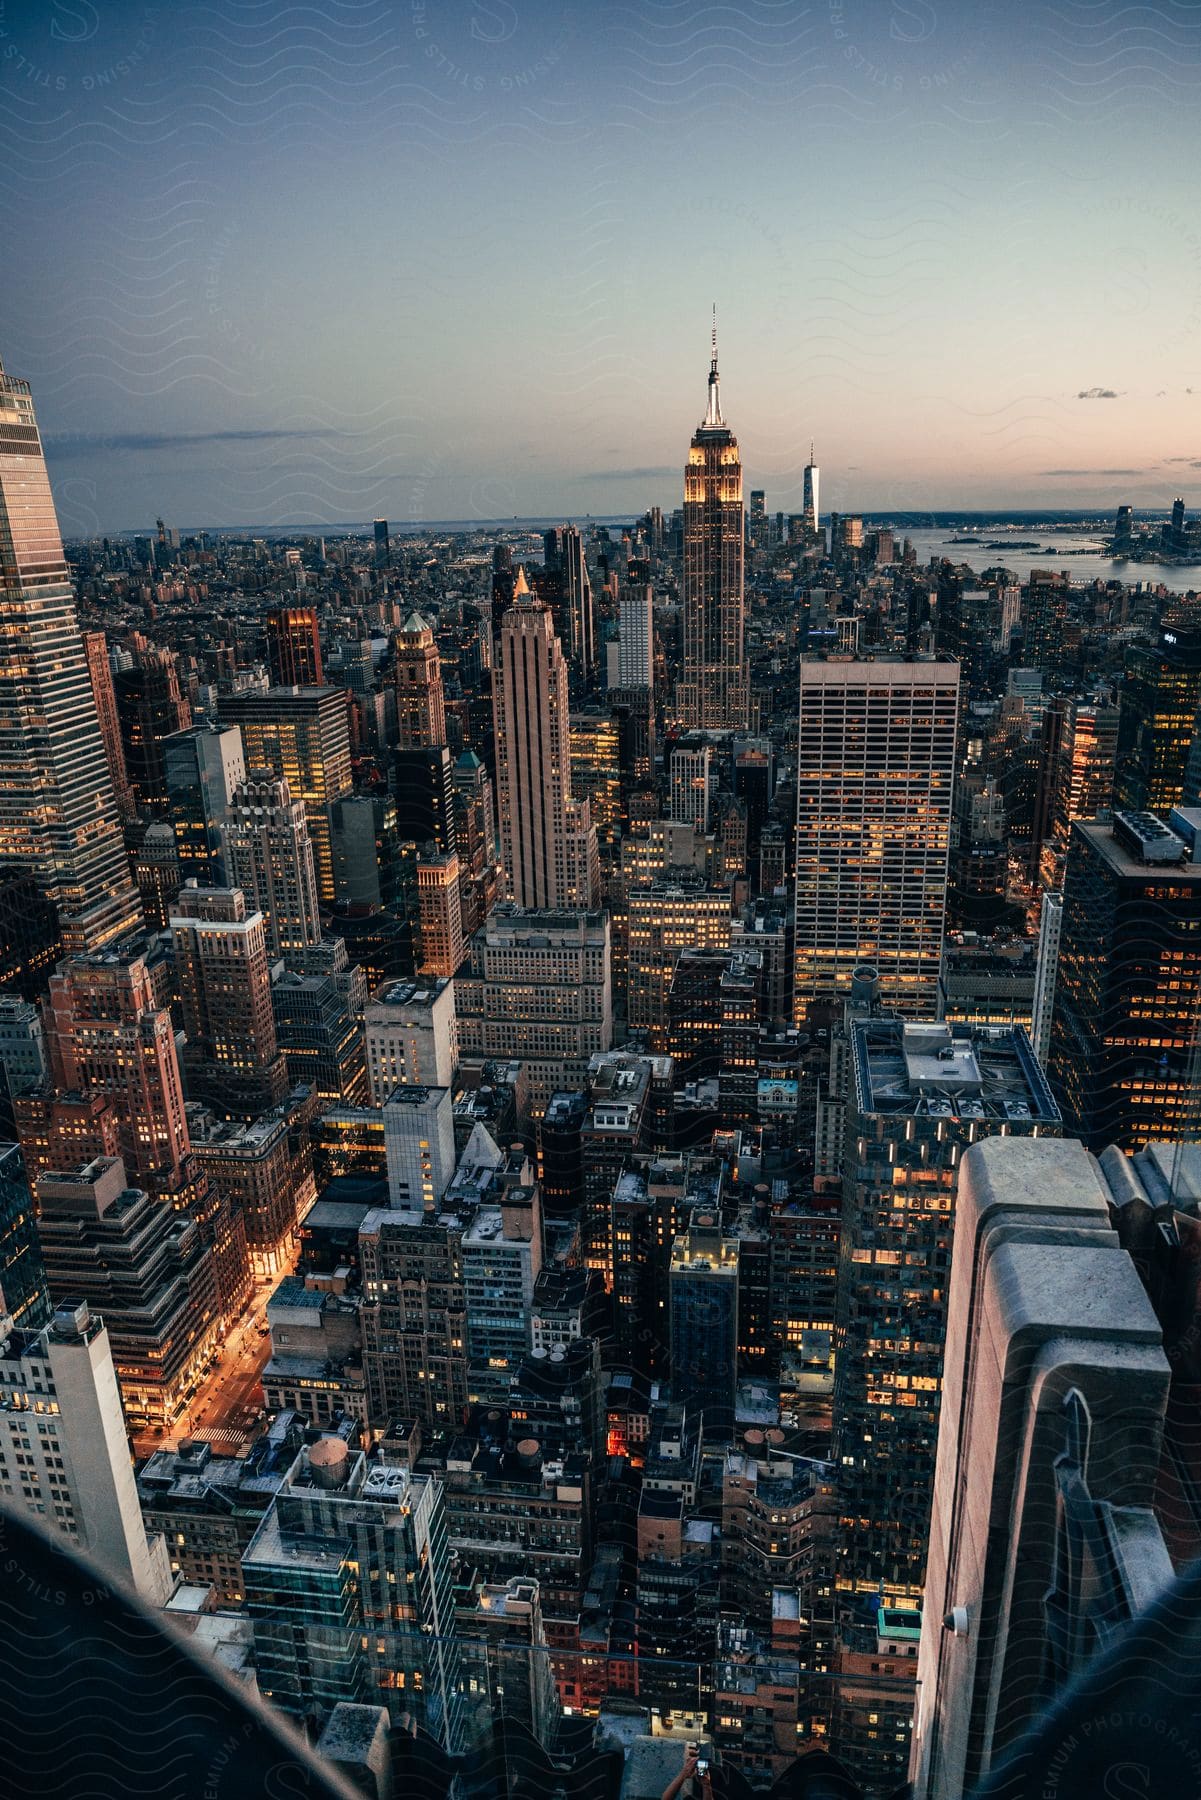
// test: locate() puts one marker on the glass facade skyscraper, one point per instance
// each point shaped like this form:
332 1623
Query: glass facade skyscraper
58 814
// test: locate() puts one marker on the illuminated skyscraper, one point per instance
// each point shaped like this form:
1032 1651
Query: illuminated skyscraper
1123 1022
577 595
441 946
267 852
201 767
810 503
636 645
1159 696
303 734
420 707
108 1035
231 1057
294 647
58 813
150 708
875 771
383 545
548 844
712 694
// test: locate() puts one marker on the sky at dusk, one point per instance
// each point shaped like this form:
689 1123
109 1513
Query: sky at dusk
283 264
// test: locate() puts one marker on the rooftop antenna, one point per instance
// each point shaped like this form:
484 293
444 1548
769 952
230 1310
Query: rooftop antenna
713 414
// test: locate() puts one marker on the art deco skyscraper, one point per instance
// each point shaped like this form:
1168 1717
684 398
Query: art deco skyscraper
302 734
712 694
231 1056
420 705
268 853
875 772
548 844
58 813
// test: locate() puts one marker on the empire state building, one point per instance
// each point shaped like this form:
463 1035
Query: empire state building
712 694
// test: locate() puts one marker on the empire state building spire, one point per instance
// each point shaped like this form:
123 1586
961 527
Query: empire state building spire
712 693
713 412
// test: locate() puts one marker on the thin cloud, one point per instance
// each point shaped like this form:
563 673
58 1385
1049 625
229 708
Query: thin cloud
83 443
1093 471
629 474
1097 393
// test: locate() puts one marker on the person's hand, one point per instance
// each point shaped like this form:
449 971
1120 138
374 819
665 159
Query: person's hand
690 1762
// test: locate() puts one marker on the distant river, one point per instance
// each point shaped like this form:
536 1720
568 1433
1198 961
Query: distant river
1092 566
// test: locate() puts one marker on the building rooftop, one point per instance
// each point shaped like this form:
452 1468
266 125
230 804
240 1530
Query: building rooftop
949 1071
1124 852
411 994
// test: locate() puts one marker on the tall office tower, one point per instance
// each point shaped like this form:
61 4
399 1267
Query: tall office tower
596 772
502 1256
150 708
95 648
1043 1540
58 813
1044 619
108 1034
201 767
703 1288
1049 747
1124 1024
1088 749
268 853
420 707
323 1576
294 647
636 639
419 1140
548 844
75 1469
1174 536
1158 699
425 804
231 1058
538 986
1123 530
23 1289
144 1268
475 816
303 734
920 1094
1046 971
810 497
504 582
367 853
577 600
666 917
713 693
383 545
413 1319
318 1006
155 865
875 775
688 795
30 936
757 532
411 1033
441 945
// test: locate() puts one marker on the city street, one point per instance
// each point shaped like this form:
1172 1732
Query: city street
231 1396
